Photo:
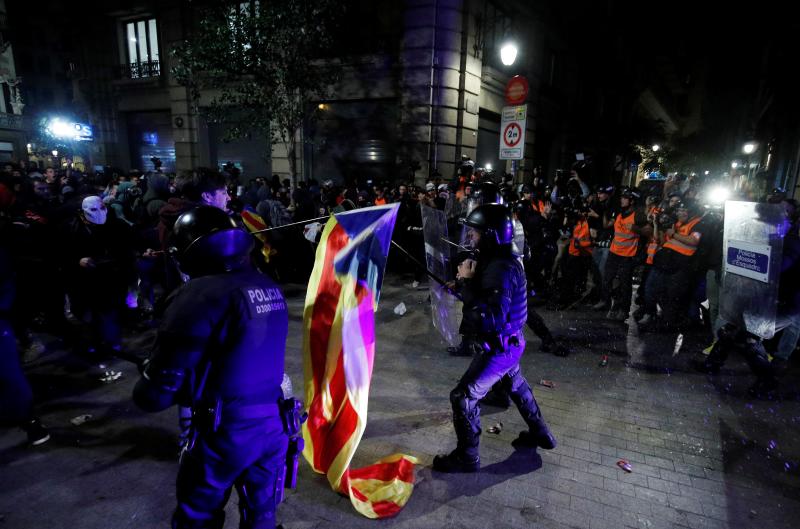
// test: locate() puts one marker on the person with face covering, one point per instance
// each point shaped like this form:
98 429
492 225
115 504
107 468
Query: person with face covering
99 263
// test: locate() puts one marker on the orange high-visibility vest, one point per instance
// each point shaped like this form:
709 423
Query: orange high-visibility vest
538 206
683 229
581 242
652 248
380 201
625 242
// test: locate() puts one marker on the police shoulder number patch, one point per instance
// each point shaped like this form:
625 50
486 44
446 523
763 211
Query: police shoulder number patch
263 301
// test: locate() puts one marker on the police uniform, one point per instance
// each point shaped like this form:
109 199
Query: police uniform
220 349
495 310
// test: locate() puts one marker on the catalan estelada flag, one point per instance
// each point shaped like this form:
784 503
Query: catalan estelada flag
254 222
338 355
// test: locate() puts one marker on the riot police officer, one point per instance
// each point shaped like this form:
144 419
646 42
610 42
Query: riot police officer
220 350
495 309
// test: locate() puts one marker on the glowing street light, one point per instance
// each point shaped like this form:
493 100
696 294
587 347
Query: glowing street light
488 167
734 165
706 173
749 147
55 152
656 147
508 54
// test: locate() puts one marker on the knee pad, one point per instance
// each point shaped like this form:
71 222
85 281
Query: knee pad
464 406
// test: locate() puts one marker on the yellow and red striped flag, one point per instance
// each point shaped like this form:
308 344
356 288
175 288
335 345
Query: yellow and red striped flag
338 355
254 222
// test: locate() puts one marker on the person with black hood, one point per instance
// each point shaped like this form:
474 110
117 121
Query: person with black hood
203 187
154 198
99 263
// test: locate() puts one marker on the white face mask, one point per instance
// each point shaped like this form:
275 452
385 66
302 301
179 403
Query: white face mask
94 210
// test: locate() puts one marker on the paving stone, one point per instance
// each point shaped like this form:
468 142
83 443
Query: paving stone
651 495
685 503
663 485
699 454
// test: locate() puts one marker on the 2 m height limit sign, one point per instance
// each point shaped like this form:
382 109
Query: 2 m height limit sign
512 132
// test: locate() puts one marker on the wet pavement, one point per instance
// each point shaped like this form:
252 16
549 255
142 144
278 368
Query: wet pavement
702 452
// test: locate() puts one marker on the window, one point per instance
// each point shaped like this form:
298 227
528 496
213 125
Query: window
142 49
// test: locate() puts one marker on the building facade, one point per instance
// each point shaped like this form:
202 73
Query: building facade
420 86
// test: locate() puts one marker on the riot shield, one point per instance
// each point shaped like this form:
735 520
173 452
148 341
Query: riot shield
445 308
518 244
751 265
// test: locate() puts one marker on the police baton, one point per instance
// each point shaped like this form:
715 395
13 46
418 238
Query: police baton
428 272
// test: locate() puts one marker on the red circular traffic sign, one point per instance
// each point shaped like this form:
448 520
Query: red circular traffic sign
512 134
516 90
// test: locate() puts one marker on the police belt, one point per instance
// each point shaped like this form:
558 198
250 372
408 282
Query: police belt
253 411
499 341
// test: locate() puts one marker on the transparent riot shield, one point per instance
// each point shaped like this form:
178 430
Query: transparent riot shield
751 264
445 308
518 244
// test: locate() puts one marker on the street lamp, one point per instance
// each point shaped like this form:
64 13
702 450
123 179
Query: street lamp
749 147
706 173
55 152
656 147
508 54
734 165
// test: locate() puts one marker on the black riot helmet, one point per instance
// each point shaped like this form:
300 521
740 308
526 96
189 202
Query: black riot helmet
208 241
494 221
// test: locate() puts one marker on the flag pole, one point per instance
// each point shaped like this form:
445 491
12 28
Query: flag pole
428 272
290 224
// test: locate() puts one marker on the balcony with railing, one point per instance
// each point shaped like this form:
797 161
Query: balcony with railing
140 70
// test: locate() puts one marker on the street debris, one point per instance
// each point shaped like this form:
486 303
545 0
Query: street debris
604 361
624 465
496 429
111 376
547 383
400 309
80 419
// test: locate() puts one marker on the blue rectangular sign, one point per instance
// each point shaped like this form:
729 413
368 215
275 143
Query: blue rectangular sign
747 259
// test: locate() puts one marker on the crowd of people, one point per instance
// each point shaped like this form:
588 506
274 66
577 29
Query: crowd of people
88 254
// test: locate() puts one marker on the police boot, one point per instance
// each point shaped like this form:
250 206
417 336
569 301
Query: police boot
466 422
455 462
726 338
552 346
465 348
758 360
538 434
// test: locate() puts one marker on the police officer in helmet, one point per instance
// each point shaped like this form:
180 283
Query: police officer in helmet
495 308
220 350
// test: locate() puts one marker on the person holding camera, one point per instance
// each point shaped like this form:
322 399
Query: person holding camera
579 253
220 350
630 225
670 281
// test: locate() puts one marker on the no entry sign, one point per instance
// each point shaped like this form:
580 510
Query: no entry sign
512 132
516 90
